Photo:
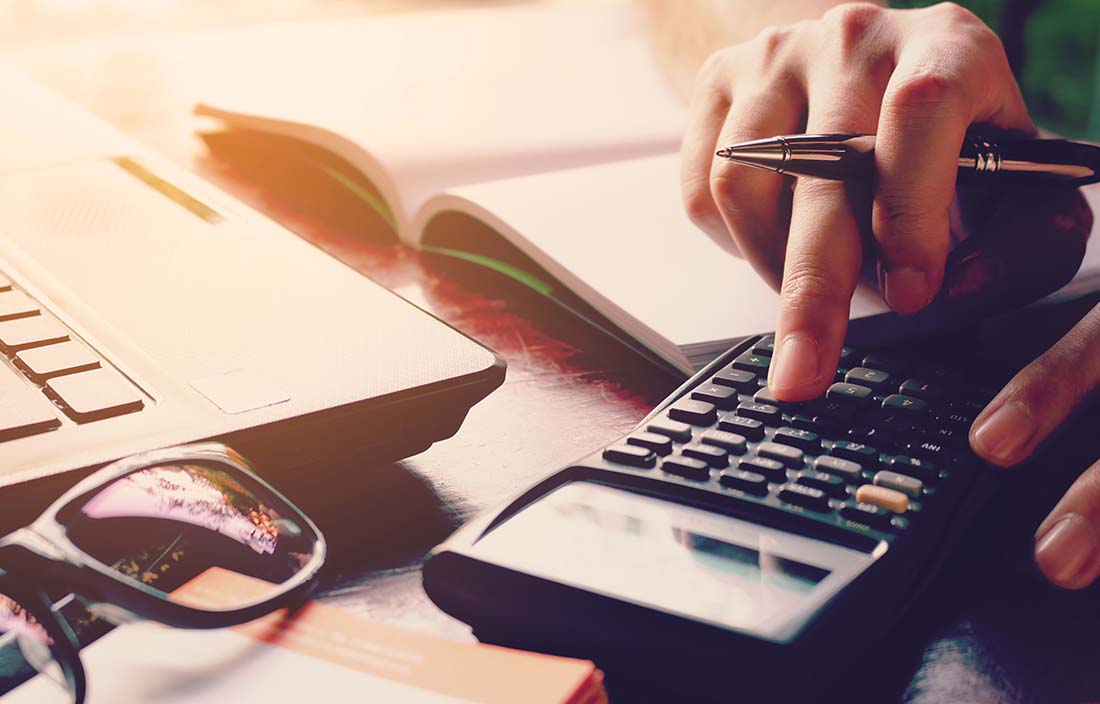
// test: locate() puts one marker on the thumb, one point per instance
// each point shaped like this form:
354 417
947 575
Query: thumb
1040 397
1067 543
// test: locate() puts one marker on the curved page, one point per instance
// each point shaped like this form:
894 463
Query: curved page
616 234
438 100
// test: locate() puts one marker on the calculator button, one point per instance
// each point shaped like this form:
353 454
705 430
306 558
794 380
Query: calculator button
764 412
749 482
712 455
849 393
755 363
35 331
687 467
633 455
904 404
721 396
765 395
832 485
660 444
41 363
832 411
856 452
921 389
899 482
888 499
693 412
738 379
883 362
23 410
94 395
848 356
805 496
680 432
871 378
764 348
790 456
867 514
772 469
804 440
849 470
924 470
731 442
16 304
748 427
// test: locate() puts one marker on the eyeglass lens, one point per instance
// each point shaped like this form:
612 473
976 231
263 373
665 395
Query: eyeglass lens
166 525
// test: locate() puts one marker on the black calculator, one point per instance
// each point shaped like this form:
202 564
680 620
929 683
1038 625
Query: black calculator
733 541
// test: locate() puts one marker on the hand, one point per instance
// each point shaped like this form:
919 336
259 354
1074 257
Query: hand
918 79
1027 411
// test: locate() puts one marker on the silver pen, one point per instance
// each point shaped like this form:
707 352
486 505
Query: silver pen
850 157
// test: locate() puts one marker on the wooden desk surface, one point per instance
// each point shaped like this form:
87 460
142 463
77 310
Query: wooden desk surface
568 390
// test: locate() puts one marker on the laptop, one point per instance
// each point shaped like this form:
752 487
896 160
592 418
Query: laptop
140 308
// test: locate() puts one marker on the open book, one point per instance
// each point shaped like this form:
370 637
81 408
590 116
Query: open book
551 125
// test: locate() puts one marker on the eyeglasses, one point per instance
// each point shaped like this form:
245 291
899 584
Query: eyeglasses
127 537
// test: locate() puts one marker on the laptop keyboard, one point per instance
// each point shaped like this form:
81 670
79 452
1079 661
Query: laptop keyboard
51 375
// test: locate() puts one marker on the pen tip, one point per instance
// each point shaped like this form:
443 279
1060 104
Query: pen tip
724 153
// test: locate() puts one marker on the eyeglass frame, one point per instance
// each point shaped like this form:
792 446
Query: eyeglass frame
43 552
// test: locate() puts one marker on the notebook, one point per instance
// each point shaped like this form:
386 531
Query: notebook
550 124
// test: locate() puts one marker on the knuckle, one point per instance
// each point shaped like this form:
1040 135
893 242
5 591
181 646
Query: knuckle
955 13
1041 386
698 203
714 70
1059 378
927 88
807 287
851 24
771 44
1090 485
899 214
725 186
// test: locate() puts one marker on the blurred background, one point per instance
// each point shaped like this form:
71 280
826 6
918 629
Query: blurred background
1052 45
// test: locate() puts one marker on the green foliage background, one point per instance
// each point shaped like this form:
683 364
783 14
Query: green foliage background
1061 74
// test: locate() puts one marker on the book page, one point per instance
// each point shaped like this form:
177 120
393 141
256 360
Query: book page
320 654
427 101
617 235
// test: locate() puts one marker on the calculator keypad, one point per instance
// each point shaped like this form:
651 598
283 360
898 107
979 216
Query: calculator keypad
870 455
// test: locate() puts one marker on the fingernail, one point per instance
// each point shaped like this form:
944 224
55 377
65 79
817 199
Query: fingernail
905 289
1065 551
1004 434
797 362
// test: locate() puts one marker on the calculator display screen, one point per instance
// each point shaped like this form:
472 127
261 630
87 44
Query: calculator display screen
673 557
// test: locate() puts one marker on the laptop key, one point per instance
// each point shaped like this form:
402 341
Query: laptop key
41 363
95 395
16 304
34 331
23 410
